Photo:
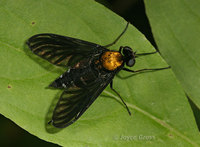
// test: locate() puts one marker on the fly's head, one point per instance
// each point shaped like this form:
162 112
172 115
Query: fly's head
129 56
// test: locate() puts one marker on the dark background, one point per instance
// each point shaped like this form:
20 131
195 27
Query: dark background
131 10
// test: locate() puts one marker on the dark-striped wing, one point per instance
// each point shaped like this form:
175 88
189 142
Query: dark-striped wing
74 101
61 50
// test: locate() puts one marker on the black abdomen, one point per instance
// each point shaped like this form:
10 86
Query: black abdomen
75 77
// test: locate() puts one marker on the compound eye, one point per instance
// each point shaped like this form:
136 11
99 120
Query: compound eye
127 51
130 62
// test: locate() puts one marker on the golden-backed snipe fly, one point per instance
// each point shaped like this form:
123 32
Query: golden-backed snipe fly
91 67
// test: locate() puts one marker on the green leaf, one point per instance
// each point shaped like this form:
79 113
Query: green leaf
175 26
158 104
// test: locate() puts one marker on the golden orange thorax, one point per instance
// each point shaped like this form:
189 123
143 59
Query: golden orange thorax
111 60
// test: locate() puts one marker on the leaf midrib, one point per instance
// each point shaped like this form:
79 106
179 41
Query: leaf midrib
157 120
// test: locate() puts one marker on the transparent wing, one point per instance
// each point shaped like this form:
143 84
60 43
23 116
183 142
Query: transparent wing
74 101
61 50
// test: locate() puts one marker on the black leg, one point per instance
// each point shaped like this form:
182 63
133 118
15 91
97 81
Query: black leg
143 70
120 49
118 37
50 122
144 54
111 86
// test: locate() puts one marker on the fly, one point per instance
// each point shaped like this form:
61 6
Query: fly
91 67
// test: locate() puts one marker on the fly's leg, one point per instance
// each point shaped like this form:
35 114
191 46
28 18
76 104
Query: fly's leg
144 54
145 69
118 37
111 86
